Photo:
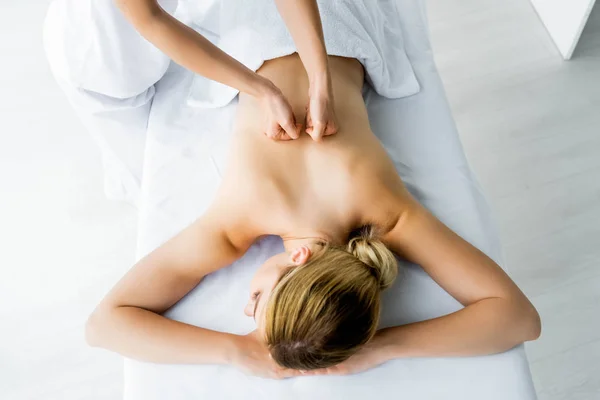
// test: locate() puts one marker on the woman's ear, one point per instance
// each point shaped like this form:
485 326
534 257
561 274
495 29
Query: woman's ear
249 309
300 255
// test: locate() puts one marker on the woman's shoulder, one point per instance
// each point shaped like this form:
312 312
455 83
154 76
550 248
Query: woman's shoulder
384 205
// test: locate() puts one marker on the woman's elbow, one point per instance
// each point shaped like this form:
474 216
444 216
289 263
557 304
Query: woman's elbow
533 323
528 324
94 328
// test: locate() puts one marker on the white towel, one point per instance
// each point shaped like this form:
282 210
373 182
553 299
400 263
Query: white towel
252 31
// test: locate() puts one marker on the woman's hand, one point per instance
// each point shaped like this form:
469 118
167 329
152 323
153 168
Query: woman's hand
320 115
253 358
280 123
369 356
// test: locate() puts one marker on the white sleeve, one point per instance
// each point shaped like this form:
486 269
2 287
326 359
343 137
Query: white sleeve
91 45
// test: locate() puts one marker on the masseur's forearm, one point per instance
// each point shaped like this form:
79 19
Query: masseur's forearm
188 48
304 24
489 326
143 335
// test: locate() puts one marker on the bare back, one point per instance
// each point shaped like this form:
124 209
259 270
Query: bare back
301 186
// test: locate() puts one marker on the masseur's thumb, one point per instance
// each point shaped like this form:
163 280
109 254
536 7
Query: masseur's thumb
316 131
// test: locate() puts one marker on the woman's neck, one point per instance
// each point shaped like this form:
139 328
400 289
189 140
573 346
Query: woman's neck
312 239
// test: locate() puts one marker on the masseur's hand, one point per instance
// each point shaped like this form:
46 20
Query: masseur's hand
253 358
280 123
320 115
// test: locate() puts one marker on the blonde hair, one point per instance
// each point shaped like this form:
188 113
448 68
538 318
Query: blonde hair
320 313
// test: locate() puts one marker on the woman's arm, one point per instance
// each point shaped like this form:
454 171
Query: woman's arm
189 49
497 315
304 24
128 319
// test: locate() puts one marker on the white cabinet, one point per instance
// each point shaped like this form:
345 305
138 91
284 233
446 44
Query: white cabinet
564 20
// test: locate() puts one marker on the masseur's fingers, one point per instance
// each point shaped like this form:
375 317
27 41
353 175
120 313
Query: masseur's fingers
272 132
278 116
276 132
316 131
290 128
331 128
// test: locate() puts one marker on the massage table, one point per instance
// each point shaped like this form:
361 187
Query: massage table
183 156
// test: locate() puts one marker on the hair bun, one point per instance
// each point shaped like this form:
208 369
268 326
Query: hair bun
375 255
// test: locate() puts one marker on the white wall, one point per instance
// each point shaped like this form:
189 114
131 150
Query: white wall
564 20
62 244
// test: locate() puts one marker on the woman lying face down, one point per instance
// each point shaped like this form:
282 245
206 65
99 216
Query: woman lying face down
316 305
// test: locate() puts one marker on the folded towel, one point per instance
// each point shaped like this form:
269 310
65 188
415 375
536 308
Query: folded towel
252 31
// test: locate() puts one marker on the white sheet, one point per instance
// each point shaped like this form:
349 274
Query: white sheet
185 152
